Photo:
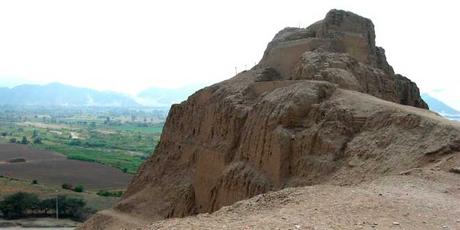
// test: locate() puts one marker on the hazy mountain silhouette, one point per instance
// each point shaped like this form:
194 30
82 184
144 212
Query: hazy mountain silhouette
439 106
61 95
165 97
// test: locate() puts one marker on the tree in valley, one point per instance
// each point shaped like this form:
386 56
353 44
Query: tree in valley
35 133
24 140
38 140
16 205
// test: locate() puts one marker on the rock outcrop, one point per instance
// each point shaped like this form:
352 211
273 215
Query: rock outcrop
339 49
323 106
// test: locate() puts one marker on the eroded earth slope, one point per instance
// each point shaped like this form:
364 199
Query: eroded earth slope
322 109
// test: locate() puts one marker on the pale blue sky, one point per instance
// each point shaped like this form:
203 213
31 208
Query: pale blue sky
131 45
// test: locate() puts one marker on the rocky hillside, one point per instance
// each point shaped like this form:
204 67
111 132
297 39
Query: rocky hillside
323 106
418 199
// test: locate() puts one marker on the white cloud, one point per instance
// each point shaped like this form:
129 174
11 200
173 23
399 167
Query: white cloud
131 45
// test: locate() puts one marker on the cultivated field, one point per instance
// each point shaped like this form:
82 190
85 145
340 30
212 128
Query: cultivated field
121 138
55 169
12 151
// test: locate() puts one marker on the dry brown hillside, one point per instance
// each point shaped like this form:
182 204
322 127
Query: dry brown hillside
322 109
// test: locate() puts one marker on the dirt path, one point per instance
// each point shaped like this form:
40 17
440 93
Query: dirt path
118 220
75 135
122 216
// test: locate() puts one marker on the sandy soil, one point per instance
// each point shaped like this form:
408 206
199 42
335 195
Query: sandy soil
75 135
424 199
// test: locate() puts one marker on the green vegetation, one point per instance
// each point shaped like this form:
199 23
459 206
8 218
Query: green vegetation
113 157
37 140
79 188
9 186
24 140
22 204
139 128
121 138
15 206
67 186
110 193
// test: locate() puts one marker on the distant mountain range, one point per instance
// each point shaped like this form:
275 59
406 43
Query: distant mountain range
164 96
441 107
57 94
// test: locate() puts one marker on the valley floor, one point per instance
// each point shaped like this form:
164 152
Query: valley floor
38 223
51 168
